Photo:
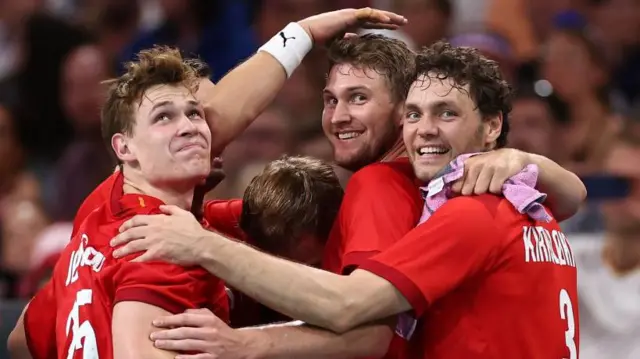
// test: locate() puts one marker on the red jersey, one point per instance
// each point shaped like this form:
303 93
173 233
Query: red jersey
88 281
381 204
485 281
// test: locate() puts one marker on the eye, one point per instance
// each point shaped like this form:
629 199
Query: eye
163 117
195 114
358 98
330 101
448 114
412 116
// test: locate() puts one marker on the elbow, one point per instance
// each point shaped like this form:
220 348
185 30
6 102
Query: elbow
343 315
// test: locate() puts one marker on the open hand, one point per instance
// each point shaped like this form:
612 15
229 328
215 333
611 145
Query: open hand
330 25
199 330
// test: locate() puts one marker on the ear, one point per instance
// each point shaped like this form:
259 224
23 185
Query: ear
492 130
399 113
122 148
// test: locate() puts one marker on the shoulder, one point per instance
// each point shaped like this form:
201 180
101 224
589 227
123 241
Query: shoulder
486 205
383 173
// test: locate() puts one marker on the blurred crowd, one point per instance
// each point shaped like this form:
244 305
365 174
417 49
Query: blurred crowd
575 65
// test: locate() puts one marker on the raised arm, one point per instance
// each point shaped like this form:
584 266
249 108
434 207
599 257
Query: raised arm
199 330
247 90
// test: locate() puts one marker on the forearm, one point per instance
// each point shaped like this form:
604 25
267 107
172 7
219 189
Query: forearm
241 96
297 340
565 191
298 291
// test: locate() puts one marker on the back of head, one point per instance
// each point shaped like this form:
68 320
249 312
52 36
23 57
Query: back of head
389 57
466 66
294 199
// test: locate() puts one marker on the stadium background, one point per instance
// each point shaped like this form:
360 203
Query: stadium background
575 63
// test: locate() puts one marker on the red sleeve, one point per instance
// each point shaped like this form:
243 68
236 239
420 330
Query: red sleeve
167 286
40 323
224 217
459 242
380 206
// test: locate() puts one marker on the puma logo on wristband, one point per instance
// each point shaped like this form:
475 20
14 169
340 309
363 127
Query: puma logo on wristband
285 38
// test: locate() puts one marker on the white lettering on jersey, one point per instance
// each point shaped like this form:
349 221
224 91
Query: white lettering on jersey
82 335
542 246
84 256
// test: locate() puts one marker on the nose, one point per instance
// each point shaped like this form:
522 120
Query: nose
341 113
427 128
186 127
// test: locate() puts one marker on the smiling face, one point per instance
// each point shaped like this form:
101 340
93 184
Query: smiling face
441 122
360 117
170 141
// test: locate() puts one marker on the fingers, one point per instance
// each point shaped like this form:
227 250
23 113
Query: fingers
147 256
137 221
484 180
182 333
129 235
187 319
471 174
373 16
379 26
136 246
500 176
181 345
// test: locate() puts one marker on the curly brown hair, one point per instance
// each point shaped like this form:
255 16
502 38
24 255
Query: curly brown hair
388 57
294 196
156 66
466 66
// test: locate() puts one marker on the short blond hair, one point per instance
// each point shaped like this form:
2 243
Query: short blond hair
156 66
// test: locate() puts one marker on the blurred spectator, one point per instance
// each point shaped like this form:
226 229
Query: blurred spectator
265 140
429 20
609 275
578 73
86 161
493 46
532 125
195 26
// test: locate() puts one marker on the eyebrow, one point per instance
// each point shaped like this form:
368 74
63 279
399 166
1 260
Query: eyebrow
432 106
167 103
348 89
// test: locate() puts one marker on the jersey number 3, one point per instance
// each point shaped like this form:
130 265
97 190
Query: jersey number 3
566 313
82 334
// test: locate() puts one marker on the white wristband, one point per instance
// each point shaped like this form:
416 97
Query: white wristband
289 46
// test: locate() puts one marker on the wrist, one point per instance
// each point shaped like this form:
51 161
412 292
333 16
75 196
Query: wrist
256 342
289 46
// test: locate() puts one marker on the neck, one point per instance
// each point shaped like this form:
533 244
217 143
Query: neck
180 196
397 150
622 252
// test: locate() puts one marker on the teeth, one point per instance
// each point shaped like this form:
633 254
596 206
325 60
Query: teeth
348 135
432 150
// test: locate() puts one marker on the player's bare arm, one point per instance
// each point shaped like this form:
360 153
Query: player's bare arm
201 331
17 341
487 172
245 92
320 298
131 327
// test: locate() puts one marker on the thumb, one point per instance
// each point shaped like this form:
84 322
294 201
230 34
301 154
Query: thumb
172 210
457 186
